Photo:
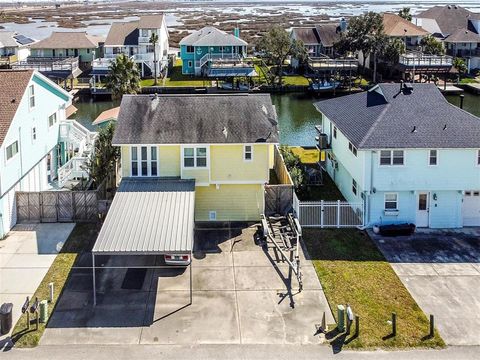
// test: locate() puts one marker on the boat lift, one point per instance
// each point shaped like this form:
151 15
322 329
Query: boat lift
284 233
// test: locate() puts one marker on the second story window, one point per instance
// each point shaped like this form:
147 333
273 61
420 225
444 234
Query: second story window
34 134
248 153
391 157
352 148
31 96
144 161
195 157
52 119
12 150
432 157
189 49
335 132
354 186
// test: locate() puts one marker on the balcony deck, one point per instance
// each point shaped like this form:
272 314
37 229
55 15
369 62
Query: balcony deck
425 63
328 64
58 67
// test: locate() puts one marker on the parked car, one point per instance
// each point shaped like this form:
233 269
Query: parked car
177 259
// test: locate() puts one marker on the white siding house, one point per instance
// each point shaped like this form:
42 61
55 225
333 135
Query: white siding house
409 155
31 109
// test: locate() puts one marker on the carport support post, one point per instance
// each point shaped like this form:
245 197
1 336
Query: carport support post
190 266
93 277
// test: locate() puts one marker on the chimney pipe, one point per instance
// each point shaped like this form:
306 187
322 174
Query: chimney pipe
462 97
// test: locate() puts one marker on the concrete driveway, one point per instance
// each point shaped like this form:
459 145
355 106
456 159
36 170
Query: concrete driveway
441 269
241 294
25 257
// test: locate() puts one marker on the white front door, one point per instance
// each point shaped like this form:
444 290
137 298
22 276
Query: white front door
471 208
422 209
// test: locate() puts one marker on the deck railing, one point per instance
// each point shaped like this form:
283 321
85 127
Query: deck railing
75 168
8 59
328 63
49 64
423 60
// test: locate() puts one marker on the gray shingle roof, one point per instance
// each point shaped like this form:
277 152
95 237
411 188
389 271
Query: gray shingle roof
150 21
149 216
123 33
307 35
66 40
325 34
449 17
463 35
196 119
211 36
387 118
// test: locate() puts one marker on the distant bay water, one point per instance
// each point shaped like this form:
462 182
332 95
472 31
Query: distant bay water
40 29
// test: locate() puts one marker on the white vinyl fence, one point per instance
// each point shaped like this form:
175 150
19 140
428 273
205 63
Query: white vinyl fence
328 214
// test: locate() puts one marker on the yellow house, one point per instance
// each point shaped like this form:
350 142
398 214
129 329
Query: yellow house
225 143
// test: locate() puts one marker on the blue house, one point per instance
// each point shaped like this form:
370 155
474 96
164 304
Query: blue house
216 53
406 153
38 145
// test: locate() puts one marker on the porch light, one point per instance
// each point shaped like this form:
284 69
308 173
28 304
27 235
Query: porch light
435 196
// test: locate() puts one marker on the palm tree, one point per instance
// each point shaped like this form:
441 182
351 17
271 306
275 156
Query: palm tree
154 41
123 77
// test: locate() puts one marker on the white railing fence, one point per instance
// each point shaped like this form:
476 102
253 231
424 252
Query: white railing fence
73 168
328 214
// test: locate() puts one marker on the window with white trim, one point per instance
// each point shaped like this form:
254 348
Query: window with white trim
391 201
195 157
31 96
52 119
391 157
144 161
12 150
354 186
248 153
190 64
352 149
432 157
34 134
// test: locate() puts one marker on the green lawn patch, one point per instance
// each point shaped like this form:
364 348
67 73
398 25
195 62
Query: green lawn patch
81 239
469 81
307 156
177 79
297 80
352 270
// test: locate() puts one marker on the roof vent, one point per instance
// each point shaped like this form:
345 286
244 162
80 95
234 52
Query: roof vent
225 132
445 127
414 130
449 6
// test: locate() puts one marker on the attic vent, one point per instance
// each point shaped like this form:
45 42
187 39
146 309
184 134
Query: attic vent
225 132
414 130
264 109
445 127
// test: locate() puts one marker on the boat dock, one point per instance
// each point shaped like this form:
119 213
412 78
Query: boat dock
473 88
450 89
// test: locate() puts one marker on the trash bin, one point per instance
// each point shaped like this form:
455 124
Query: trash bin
43 311
5 318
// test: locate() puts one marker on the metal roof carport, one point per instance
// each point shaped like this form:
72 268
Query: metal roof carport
148 216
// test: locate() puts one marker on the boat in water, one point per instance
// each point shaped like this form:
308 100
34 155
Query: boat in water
324 86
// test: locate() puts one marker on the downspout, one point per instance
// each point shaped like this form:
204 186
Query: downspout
21 153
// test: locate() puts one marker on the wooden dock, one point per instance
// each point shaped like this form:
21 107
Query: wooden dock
473 88
450 89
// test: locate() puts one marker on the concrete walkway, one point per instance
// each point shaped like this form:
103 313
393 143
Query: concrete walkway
26 254
441 269
231 352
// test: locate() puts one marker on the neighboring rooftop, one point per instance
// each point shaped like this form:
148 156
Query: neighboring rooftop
127 33
464 36
107 115
325 34
68 40
385 117
13 84
396 26
12 39
211 36
450 18
196 119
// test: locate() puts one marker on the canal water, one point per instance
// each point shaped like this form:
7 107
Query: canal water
297 115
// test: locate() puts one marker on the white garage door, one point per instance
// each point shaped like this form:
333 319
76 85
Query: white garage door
471 208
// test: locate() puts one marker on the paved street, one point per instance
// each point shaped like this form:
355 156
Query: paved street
25 257
230 352
242 294
441 269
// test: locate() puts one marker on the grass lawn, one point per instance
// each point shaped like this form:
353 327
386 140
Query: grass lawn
81 239
295 80
469 81
176 78
328 191
352 270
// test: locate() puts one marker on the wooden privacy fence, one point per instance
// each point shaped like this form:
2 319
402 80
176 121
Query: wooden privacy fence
57 206
329 214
